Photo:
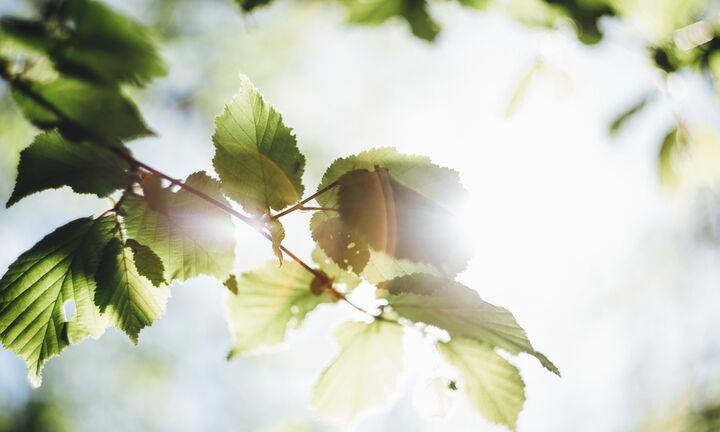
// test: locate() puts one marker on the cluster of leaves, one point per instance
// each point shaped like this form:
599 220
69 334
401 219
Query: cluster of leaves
65 76
37 414
383 218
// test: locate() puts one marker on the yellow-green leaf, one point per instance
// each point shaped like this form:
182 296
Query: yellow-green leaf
191 236
256 155
59 269
126 298
460 311
365 372
268 301
400 205
52 161
493 386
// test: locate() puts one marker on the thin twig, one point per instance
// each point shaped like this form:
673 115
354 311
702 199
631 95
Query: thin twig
250 221
300 204
310 208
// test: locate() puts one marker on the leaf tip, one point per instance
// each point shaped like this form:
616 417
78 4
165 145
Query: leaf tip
133 336
547 364
35 377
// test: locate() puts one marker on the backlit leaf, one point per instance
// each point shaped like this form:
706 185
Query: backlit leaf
492 385
80 110
94 43
457 309
342 245
383 267
365 372
51 161
256 155
127 299
147 262
191 236
155 195
349 280
392 203
58 269
268 301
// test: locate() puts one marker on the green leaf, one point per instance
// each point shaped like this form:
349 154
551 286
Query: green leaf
127 299
153 191
51 161
268 302
493 386
457 309
256 155
191 236
80 110
400 222
376 12
386 201
343 245
147 262
90 41
58 269
365 372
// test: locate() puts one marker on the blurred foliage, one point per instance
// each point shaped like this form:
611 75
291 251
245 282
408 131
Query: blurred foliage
539 72
679 35
75 35
36 415
689 158
627 115
686 417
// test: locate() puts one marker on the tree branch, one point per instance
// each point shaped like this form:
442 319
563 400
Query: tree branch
252 223
300 205
120 151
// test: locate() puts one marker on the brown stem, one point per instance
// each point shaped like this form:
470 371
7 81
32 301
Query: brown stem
250 221
300 204
304 208
215 202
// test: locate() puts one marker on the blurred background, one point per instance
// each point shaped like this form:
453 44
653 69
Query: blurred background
612 267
